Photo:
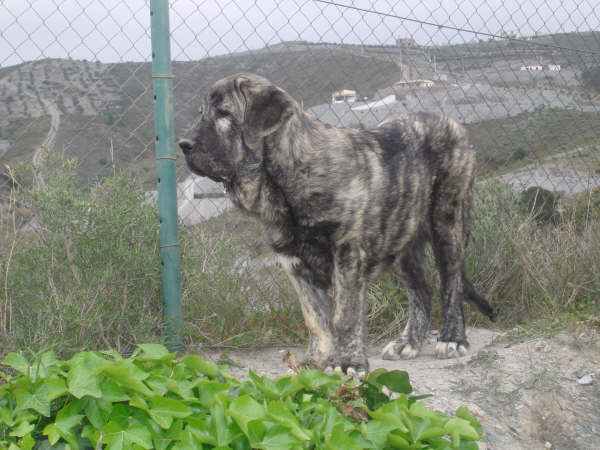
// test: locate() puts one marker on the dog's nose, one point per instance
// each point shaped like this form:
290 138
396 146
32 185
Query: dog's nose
185 145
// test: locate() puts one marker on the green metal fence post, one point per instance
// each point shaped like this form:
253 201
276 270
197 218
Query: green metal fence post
162 82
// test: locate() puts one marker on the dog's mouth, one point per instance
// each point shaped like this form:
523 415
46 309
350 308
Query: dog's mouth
201 173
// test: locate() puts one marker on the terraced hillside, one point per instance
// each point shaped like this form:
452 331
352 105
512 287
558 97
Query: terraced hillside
103 106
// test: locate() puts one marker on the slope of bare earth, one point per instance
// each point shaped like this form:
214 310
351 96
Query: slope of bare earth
534 394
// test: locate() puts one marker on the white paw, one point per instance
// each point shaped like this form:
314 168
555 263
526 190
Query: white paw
358 375
444 350
397 350
351 372
408 352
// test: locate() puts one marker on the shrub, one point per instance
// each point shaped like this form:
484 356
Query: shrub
153 400
530 270
540 203
84 272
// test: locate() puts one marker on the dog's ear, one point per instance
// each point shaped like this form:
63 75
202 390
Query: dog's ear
267 109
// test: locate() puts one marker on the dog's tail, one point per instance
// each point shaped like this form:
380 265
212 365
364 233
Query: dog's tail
473 297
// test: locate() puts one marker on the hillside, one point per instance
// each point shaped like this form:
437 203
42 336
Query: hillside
111 104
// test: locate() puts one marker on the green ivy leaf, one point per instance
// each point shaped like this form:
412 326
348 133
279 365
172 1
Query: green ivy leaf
127 375
56 387
377 431
17 362
27 443
419 409
460 428
53 433
154 352
396 381
23 429
372 376
265 385
372 395
6 416
82 381
245 409
183 388
256 432
163 439
111 392
398 440
315 379
209 390
395 413
116 437
340 440
200 431
222 431
36 400
279 413
422 430
196 363
163 410
158 383
463 412
331 418
97 411
279 437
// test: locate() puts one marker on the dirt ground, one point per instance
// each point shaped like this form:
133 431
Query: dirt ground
538 393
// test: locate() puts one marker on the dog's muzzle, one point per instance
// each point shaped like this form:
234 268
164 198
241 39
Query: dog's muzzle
185 145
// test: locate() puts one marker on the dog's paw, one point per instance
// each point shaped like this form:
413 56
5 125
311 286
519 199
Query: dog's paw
445 350
350 372
399 350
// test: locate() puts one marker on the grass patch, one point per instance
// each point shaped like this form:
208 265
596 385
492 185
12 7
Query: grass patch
529 269
512 142
80 269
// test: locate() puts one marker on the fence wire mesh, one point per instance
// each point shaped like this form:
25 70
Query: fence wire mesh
524 77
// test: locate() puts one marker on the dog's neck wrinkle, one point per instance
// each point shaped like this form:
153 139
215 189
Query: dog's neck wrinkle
264 199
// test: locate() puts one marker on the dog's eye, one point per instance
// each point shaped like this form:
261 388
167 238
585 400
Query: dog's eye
222 112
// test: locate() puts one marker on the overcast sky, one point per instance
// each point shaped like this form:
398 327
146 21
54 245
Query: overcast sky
119 30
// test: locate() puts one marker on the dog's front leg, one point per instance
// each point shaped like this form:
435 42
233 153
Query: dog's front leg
349 291
316 309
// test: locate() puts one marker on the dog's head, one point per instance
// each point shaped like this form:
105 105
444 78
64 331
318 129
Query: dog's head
236 116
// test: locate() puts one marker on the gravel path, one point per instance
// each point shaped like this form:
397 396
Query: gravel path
539 393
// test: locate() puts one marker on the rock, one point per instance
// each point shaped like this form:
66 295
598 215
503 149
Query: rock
585 380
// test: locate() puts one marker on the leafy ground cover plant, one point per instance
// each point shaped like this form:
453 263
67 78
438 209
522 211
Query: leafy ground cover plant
155 400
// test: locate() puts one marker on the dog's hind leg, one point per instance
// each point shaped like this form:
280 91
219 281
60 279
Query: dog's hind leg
316 309
448 242
418 291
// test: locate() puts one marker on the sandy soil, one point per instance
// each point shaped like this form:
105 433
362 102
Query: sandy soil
540 393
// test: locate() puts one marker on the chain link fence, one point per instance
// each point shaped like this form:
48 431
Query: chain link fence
524 77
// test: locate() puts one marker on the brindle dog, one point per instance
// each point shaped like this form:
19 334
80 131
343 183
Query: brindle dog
339 206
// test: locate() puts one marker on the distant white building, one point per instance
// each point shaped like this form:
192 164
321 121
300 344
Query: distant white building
343 96
406 42
414 83
509 34
387 100
554 67
532 67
